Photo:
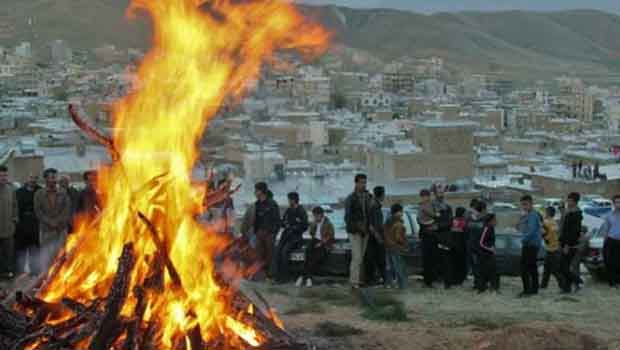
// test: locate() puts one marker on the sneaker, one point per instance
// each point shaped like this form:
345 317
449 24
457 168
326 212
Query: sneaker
300 282
309 283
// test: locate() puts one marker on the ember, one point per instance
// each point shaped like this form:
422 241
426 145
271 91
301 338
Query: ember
141 275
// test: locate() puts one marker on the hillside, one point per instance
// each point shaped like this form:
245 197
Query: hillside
580 41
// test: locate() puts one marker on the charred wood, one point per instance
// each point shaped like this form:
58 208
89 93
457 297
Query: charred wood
110 326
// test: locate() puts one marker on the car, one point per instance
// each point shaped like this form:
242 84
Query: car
508 248
598 207
593 257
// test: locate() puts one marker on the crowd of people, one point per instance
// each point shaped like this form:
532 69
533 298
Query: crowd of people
455 243
35 220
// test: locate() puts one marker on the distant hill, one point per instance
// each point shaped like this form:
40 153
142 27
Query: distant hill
585 42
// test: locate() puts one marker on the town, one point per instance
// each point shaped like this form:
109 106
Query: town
409 188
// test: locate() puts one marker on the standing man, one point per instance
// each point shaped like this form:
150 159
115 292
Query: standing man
374 259
266 225
88 199
8 219
444 225
611 230
27 235
53 209
357 219
427 218
531 228
295 222
73 194
569 241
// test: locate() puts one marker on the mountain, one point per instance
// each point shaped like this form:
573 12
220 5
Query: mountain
532 44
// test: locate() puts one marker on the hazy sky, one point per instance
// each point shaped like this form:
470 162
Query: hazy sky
485 5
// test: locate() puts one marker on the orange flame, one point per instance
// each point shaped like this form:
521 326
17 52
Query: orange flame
203 53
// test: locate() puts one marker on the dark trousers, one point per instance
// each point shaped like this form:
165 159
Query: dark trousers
447 267
488 272
569 277
315 256
474 260
280 263
459 263
552 267
7 255
374 261
264 250
529 269
612 261
429 257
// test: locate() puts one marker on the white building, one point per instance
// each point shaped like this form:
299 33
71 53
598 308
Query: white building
24 50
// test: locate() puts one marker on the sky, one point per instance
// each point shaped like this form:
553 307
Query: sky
429 6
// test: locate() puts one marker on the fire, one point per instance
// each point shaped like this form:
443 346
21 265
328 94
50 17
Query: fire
204 52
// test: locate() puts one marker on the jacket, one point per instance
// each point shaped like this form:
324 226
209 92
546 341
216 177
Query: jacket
267 217
395 236
88 202
376 218
475 226
247 223
487 240
54 217
530 227
357 208
27 232
550 235
8 211
571 228
444 221
327 234
295 221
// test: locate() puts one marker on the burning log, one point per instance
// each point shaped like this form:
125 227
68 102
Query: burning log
94 133
163 252
133 329
110 326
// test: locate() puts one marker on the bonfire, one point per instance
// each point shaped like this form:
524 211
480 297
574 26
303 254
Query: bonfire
141 274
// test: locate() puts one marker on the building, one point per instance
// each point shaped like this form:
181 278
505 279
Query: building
399 82
439 137
24 50
573 101
59 52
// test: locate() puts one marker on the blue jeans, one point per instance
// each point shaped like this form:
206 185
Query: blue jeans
396 270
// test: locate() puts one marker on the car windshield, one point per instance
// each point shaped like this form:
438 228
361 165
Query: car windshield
337 219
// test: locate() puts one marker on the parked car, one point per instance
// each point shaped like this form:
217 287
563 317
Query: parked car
593 259
508 246
598 207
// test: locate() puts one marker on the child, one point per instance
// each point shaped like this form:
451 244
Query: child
488 264
459 256
552 249
395 246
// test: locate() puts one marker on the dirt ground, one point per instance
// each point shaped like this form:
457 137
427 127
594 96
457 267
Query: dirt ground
333 317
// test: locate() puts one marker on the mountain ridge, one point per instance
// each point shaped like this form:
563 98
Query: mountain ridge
582 40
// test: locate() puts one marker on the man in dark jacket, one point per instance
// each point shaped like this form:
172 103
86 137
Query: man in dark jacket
570 233
266 225
444 224
357 220
474 226
27 237
88 200
374 259
295 223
